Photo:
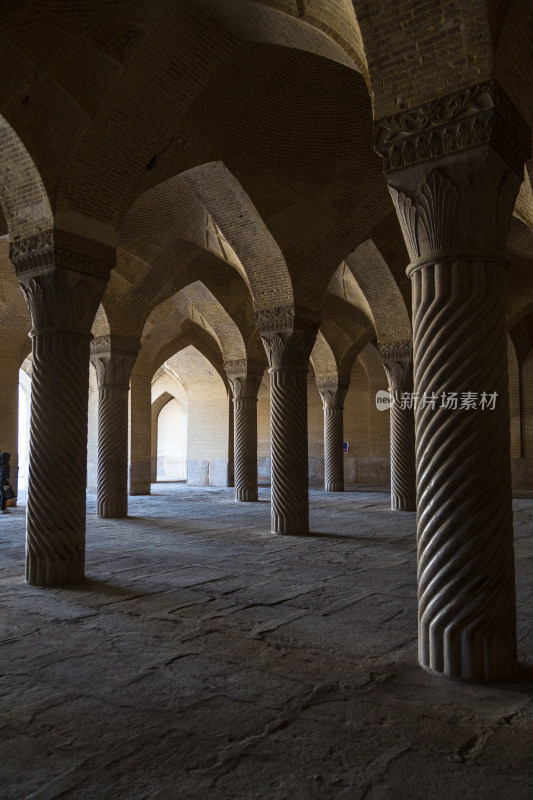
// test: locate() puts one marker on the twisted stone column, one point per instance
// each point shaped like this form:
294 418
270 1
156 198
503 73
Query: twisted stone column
63 278
398 365
113 358
288 342
333 394
454 168
245 379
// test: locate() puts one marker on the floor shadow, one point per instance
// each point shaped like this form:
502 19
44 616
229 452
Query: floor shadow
317 535
521 681
93 585
404 542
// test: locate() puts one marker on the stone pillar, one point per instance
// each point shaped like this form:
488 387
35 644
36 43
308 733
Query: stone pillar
454 168
398 365
288 341
113 358
333 394
245 377
140 431
63 278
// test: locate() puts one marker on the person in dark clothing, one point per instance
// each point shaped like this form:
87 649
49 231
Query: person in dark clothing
4 479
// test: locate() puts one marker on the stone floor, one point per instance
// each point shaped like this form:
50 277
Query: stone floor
206 658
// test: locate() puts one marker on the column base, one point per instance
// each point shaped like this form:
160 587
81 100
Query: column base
290 527
334 487
246 495
59 573
402 503
112 510
502 676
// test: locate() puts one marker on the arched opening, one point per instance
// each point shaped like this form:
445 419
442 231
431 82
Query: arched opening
172 442
190 422
169 428
24 409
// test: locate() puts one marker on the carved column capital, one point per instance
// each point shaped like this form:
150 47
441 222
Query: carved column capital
288 336
332 391
443 160
52 248
63 277
113 358
477 116
244 376
397 358
62 301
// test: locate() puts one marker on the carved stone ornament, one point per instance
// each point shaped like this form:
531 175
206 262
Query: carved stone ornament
274 319
397 363
470 117
432 219
33 252
282 318
115 344
332 391
62 301
288 337
113 358
236 368
245 388
289 350
396 350
54 248
244 376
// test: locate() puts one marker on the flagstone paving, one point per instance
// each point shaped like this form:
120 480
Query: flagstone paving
205 657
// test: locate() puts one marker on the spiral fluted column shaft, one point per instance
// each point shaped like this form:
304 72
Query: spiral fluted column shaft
333 455
113 358
398 364
55 546
402 452
112 491
288 429
245 449
288 339
465 537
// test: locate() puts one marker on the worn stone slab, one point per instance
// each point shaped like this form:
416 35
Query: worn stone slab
206 657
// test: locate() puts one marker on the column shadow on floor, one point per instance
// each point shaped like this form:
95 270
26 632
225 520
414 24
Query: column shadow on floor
97 586
354 538
522 680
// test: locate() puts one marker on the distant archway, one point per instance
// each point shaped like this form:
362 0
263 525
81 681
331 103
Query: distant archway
169 429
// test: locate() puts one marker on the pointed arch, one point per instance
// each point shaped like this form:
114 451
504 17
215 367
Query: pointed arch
23 196
206 310
329 30
208 439
322 358
101 323
243 228
365 280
